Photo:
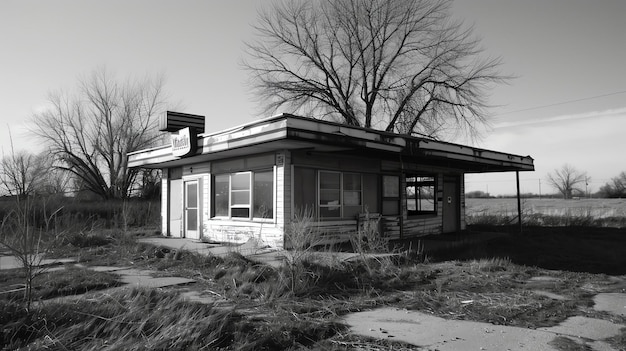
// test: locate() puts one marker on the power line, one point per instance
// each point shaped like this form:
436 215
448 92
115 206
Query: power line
561 103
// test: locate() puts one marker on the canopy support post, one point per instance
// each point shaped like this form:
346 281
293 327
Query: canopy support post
519 203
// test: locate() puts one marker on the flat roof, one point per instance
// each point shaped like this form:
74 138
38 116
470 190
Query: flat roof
287 131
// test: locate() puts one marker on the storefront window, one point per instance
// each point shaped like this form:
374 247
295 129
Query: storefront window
221 191
340 194
244 195
420 194
263 194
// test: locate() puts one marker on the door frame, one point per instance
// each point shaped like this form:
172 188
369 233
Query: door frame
451 225
189 232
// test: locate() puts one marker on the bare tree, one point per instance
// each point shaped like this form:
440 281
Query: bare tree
402 66
23 173
616 187
92 132
567 180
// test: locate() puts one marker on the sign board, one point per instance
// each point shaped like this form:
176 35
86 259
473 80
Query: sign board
184 142
173 121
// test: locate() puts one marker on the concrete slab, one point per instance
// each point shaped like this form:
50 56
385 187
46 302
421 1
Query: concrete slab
251 249
435 333
143 278
584 327
179 244
614 303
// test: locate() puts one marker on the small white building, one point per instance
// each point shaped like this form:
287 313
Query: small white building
248 181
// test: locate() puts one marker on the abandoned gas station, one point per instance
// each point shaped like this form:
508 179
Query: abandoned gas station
251 180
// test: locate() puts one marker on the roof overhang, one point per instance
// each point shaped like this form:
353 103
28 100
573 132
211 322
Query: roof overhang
289 132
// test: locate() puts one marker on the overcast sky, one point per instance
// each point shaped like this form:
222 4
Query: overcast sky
567 103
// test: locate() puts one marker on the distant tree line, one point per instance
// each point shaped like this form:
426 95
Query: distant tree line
569 183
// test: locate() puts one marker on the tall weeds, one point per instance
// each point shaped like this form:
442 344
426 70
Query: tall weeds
301 237
27 241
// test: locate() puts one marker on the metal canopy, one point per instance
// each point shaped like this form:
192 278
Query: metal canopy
288 132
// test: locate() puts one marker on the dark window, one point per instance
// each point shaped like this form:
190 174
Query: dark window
221 193
263 194
420 194
391 195
340 194
330 194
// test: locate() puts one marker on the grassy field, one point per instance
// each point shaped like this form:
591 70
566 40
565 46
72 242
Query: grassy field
549 212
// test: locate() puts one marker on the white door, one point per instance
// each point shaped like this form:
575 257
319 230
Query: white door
175 209
192 210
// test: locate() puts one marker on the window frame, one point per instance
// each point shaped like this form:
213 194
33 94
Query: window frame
417 184
390 194
248 206
237 207
341 205
254 197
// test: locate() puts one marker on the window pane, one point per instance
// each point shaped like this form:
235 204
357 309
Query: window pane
411 205
427 198
351 181
263 194
241 181
240 198
221 195
330 212
420 194
329 197
351 190
427 205
192 195
390 207
410 191
330 180
192 219
351 212
352 198
390 186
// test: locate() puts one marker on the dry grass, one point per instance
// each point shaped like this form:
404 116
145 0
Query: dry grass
489 290
260 309
53 283
131 319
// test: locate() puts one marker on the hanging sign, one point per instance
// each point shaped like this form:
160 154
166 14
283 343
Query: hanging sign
184 142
